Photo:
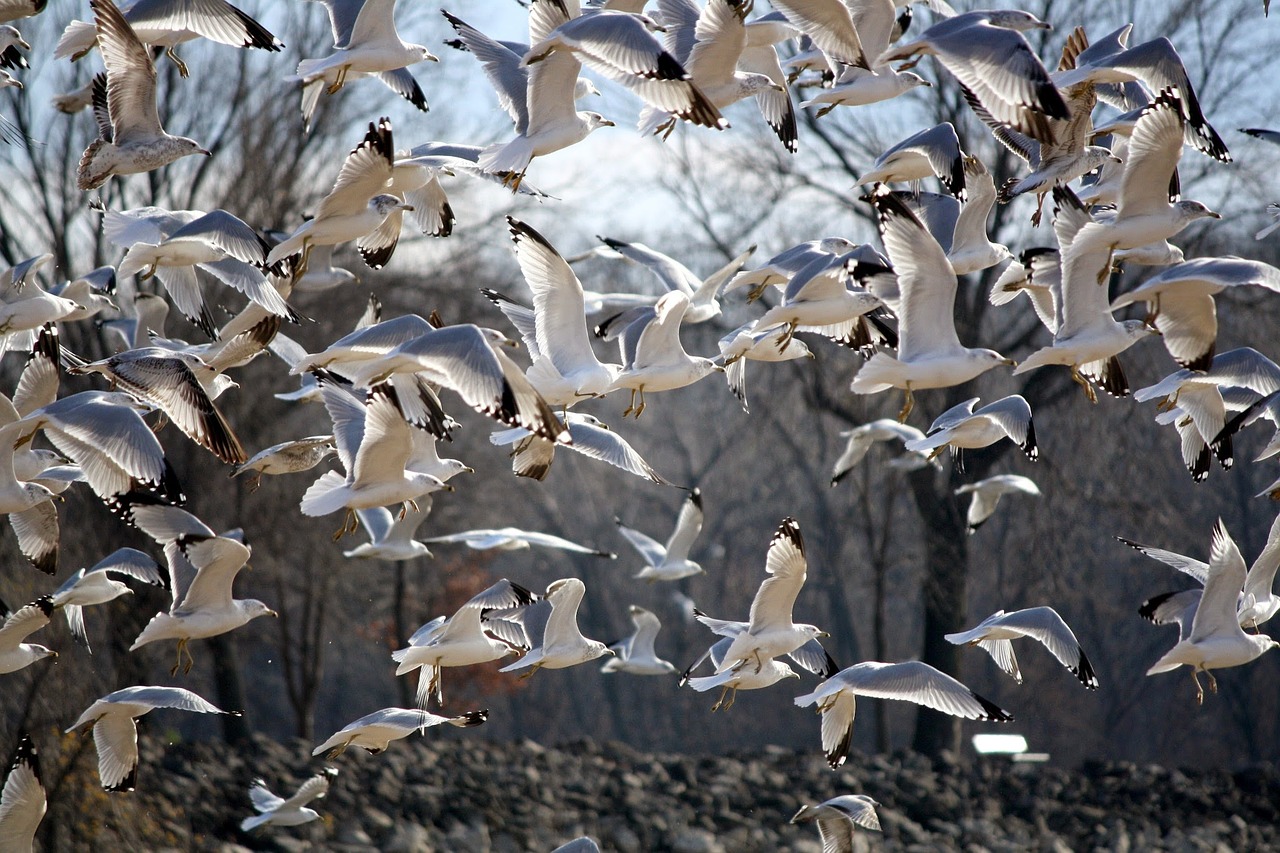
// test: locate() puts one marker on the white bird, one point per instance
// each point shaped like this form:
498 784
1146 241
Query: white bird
392 538
1216 640
365 43
584 844
933 152
836 818
703 292
18 625
749 343
202 568
987 493
827 297
635 653
374 732
860 439
1042 624
592 437
961 228
559 643
653 357
277 811
732 680
463 639
357 208
930 354
671 561
1181 304
288 457
116 735
130 137
779 269
961 428
515 539
23 801
911 681
95 585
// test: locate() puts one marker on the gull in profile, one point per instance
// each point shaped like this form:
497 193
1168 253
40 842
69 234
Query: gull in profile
130 138
836 818
961 227
23 800
933 152
288 457
96 585
779 269
1181 304
827 297
1216 640
374 732
391 538
357 208
557 643
912 681
961 428
703 292
988 54
463 639
635 653
10 41
202 568
732 680
365 43
860 439
769 631
532 455
116 734
277 811
18 625
930 354
987 493
671 561
747 343
1042 624
515 539
653 357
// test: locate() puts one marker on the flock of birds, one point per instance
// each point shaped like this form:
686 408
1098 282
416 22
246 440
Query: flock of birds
382 385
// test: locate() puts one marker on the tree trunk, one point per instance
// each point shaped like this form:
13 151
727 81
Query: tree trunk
229 687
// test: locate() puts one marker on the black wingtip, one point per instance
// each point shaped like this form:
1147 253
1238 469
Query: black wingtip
1029 447
1085 672
1147 610
992 712
789 529
695 497
666 68
128 783
471 718
28 755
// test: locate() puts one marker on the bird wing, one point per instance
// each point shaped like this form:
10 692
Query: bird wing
1046 626
1154 151
1186 565
786 565
342 17
829 23
648 625
314 788
688 526
25 621
659 340
116 737
37 532
562 625
721 35
546 540
1216 615
217 560
364 173
387 441
680 20
23 801
558 304
651 550
348 415
1013 415
38 384
1263 571
549 93
501 65
915 681
971 223
216 20
375 24
131 77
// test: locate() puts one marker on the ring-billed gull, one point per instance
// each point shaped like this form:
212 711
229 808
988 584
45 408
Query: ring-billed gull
95 585
859 440
10 41
1181 305
288 457
934 151
635 653
202 569
654 359
391 537
1043 624
961 428
912 681
515 539
559 643
23 801
826 297
116 734
987 493
732 680
130 138
277 811
460 640
836 817
703 292
749 343
1216 640
930 354
374 732
592 437
671 561
18 625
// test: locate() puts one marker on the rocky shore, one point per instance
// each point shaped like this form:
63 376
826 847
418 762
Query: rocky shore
427 795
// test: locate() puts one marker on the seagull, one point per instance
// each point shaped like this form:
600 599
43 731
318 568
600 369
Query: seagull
515 539
635 654
96 586
1181 305
671 561
23 801
559 644
116 735
930 354
934 151
590 436
988 54
859 440
288 457
391 538
1216 640
1044 624
357 208
374 732
26 306
987 493
819 298
18 625
770 631
460 640
911 681
365 43
747 343
779 269
702 292
836 818
10 41
653 357
130 138
961 428
732 680
202 568
277 811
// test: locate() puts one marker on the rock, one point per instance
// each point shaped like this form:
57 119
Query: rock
408 837
695 841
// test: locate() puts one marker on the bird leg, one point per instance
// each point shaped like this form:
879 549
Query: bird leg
304 264
733 697
339 81
182 66
512 180
149 271
1039 214
664 129
724 689
255 483
349 524
785 340
185 645
524 676
404 508
630 406
640 411
1195 676
1213 682
337 750
759 661
908 403
756 291
1079 379
161 423
177 663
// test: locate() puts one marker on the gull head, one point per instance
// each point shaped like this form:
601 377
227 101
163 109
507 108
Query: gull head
811 632
253 608
1191 210
584 87
9 35
1138 329
791 673
909 81
422 53
1093 156
595 121
190 146
1012 19
384 203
